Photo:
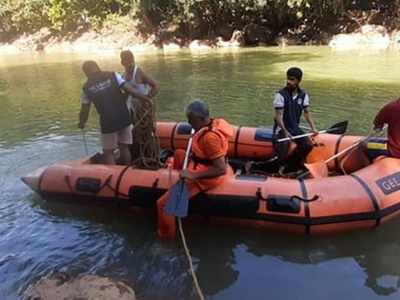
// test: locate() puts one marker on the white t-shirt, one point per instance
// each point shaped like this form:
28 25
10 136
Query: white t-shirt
120 80
142 88
279 101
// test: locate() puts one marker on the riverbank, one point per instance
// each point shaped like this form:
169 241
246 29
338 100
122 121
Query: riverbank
111 41
111 25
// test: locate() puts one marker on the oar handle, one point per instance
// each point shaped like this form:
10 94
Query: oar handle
343 151
300 136
347 149
188 149
352 146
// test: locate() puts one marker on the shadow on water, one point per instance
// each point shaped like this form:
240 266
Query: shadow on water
218 259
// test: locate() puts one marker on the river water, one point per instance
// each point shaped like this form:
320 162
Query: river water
39 98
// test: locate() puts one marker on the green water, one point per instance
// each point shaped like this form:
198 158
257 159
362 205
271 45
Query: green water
39 97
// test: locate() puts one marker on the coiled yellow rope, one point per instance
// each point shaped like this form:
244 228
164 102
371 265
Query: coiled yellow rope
146 146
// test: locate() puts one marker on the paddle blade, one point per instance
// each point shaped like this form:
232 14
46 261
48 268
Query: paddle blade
318 169
178 202
338 128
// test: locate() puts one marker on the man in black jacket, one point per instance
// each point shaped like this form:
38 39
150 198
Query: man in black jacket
103 89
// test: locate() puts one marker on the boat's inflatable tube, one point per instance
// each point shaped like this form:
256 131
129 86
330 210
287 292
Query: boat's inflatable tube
257 144
361 200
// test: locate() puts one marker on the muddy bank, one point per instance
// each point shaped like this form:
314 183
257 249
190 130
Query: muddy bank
113 38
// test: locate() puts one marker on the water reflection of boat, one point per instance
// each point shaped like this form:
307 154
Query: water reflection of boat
365 198
216 255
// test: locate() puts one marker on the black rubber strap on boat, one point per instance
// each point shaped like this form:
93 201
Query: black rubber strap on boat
337 151
119 179
173 135
306 206
371 196
41 180
235 151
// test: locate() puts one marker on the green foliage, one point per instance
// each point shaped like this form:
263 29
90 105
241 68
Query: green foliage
20 16
68 15
188 18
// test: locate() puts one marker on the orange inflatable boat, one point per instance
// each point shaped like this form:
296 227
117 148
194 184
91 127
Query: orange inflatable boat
361 194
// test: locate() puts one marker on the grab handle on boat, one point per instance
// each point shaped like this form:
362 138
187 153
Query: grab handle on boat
88 185
260 197
314 198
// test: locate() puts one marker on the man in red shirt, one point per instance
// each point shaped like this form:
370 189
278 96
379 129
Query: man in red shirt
390 115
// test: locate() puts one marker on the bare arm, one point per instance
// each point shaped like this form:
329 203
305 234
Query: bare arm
127 86
217 168
155 88
279 121
83 115
381 118
309 119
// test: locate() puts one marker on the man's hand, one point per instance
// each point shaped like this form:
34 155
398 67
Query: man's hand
83 115
153 92
378 129
186 174
315 132
287 134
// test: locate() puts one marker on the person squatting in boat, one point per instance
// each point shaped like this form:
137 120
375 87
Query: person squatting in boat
289 104
207 166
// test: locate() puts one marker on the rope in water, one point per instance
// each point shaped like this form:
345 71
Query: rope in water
146 146
146 149
189 257
186 248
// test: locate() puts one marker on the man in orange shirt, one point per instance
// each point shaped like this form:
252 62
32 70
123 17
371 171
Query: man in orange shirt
207 166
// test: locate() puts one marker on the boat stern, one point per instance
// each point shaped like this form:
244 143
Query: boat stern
33 179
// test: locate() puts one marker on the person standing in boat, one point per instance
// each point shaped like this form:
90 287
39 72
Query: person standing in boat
145 147
207 166
136 76
103 89
289 104
389 114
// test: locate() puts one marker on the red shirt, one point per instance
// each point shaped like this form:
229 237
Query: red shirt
390 114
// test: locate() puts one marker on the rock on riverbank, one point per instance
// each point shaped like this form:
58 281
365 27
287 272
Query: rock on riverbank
85 287
374 37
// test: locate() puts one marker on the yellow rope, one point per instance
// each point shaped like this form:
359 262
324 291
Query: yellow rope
187 252
145 142
185 247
